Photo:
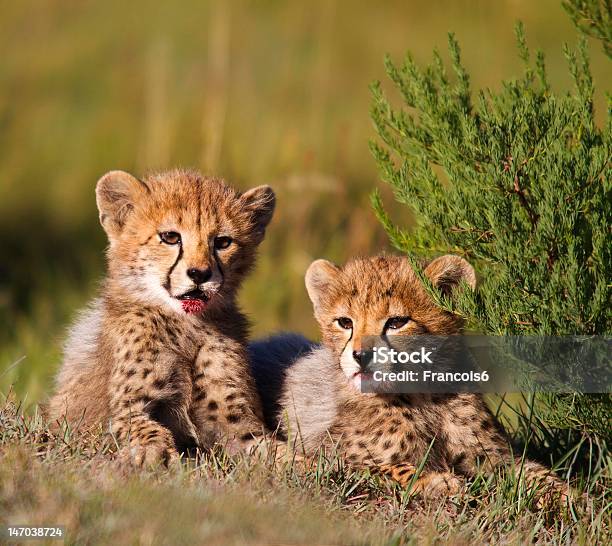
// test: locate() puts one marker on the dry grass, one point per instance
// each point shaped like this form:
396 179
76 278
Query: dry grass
78 482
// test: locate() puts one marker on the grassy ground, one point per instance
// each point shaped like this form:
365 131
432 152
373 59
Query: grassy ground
78 482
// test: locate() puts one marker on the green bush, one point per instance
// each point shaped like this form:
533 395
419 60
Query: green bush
518 182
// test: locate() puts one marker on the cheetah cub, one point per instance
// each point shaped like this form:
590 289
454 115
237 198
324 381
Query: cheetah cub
316 400
160 357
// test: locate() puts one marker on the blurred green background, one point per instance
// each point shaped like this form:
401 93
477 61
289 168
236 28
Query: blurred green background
257 92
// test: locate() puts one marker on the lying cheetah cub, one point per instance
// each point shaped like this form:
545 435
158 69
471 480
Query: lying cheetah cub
160 356
316 399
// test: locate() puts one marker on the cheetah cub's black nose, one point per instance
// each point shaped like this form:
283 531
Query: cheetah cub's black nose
199 276
358 356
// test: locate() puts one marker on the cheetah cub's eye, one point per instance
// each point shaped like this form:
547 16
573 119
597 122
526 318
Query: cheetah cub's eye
170 237
345 323
395 323
221 243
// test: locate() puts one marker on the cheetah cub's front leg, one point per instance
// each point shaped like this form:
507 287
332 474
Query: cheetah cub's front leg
225 404
149 393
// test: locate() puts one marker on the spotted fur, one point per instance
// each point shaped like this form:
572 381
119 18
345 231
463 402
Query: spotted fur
166 374
321 403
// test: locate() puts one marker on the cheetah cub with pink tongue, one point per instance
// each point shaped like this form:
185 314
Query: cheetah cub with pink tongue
160 357
316 400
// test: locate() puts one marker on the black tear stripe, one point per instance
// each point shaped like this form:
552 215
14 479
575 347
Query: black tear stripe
347 342
167 284
219 265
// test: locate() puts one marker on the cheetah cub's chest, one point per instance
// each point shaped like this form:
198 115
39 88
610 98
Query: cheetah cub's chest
381 431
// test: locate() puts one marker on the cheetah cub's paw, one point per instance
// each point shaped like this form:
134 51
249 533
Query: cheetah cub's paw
151 450
433 485
427 484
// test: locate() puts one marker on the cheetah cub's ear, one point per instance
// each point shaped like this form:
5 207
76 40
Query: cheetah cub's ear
261 202
116 194
319 277
446 272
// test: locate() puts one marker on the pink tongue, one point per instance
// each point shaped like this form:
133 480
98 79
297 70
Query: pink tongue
193 306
